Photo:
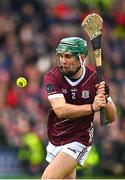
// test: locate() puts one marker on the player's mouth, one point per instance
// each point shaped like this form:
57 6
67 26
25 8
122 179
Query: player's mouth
65 68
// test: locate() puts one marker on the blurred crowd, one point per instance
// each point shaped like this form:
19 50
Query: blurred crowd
30 31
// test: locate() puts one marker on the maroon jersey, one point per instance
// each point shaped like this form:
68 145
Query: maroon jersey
79 92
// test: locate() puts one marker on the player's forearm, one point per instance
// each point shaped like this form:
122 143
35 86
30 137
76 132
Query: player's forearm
73 111
110 111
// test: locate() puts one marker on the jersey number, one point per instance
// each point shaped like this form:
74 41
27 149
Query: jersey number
73 95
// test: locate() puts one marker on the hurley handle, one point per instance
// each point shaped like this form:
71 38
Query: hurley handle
103 121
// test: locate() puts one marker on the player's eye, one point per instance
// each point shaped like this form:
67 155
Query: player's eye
59 55
68 56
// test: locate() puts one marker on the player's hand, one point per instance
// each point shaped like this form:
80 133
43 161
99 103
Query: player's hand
100 88
99 102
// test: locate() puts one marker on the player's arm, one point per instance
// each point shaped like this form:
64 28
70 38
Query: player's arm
66 110
110 110
58 102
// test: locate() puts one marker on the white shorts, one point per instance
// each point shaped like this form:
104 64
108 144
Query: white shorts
75 149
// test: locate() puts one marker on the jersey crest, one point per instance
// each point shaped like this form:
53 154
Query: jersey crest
85 94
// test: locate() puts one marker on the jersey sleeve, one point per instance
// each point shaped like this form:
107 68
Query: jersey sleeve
52 86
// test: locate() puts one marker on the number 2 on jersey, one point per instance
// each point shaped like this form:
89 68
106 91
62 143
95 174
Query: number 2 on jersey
73 95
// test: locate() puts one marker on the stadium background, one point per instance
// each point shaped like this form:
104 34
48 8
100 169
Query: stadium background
29 33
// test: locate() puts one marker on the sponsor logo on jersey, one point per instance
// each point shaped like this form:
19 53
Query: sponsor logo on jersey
64 91
85 94
74 90
49 88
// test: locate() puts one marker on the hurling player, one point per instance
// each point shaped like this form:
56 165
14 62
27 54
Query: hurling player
74 96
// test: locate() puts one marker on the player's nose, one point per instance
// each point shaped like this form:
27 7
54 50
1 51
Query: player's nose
64 60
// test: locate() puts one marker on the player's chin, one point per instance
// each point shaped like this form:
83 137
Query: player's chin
66 73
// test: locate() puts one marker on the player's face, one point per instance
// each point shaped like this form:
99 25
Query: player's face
68 64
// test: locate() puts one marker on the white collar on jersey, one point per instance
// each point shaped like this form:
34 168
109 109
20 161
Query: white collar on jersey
79 80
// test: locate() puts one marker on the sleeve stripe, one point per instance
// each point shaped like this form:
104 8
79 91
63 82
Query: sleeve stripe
55 96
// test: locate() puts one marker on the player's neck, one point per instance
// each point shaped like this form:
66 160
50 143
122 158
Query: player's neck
78 74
